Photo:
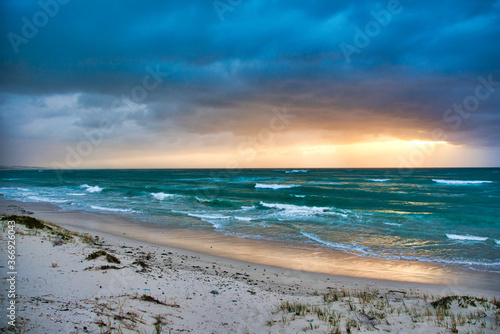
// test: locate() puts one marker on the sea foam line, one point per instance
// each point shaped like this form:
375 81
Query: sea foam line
212 219
297 171
459 182
95 207
454 261
296 209
346 247
275 186
466 237
45 199
349 248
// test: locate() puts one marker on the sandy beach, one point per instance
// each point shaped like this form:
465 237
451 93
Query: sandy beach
111 276
250 167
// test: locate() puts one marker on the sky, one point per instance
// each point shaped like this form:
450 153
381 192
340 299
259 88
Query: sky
249 84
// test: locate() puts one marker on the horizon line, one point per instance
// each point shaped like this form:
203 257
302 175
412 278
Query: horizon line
225 168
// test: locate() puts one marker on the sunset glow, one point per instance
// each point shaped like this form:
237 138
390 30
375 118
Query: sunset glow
166 85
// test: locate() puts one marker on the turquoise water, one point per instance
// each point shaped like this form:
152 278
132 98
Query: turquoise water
450 216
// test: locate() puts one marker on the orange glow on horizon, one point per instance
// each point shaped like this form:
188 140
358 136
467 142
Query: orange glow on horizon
387 153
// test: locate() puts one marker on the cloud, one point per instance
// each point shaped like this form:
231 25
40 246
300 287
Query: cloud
225 76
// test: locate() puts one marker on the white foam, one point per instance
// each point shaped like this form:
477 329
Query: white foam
300 196
90 189
76 194
247 207
275 186
336 214
297 171
459 182
497 241
161 196
45 199
95 207
58 200
293 210
468 263
466 237
247 219
377 180
392 224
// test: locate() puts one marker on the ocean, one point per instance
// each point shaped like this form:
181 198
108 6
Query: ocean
447 216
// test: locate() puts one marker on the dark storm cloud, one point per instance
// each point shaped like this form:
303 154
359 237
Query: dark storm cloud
229 66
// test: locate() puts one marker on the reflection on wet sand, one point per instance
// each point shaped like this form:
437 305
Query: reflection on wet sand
285 255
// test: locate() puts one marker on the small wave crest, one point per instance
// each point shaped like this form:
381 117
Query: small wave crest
95 207
294 210
297 171
275 186
378 180
246 219
161 196
465 237
393 224
91 189
459 182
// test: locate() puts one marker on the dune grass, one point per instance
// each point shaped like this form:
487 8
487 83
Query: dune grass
341 310
34 225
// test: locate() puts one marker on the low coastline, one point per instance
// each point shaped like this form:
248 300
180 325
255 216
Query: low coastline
210 265
288 256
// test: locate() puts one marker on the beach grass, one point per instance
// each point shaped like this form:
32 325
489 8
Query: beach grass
343 310
34 226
